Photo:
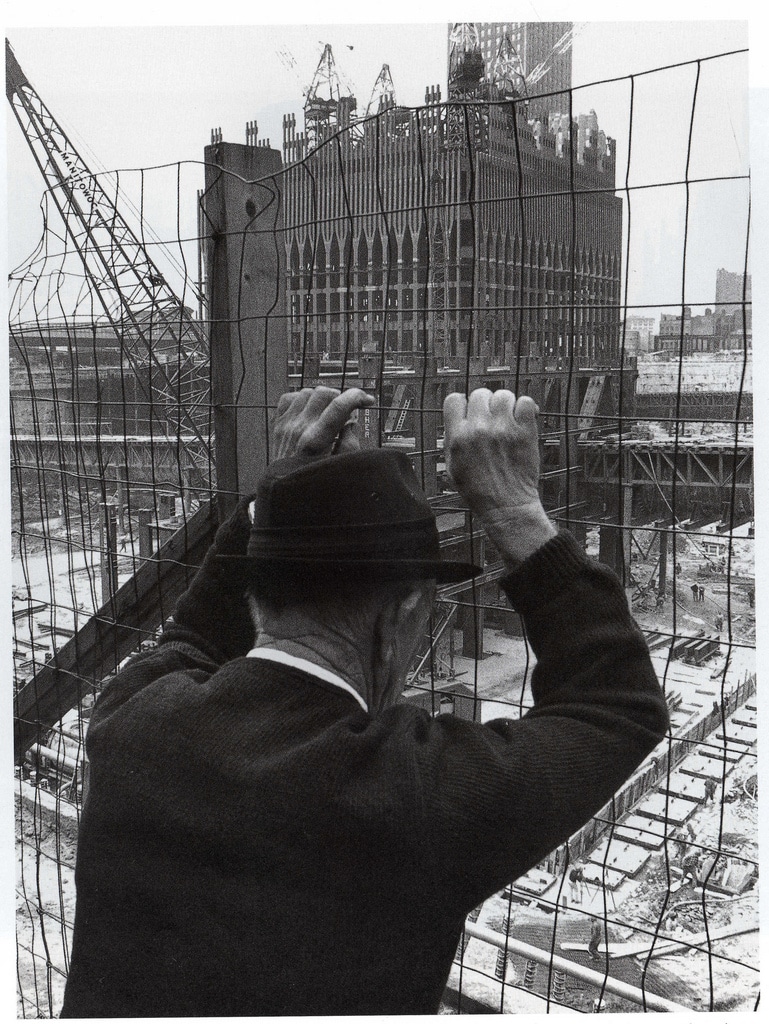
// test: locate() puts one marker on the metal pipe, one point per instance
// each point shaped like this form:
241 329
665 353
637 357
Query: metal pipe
60 760
541 956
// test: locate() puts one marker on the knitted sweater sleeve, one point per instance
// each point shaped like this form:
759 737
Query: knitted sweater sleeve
212 615
498 798
210 625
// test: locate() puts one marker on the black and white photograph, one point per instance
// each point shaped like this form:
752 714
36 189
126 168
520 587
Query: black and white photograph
380 514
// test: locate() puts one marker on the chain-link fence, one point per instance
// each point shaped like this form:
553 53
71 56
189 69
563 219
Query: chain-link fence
417 253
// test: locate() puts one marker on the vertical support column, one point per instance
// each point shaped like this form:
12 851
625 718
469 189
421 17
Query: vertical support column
472 617
610 547
627 521
185 472
661 586
245 276
426 423
578 527
108 550
121 481
368 423
145 532
570 406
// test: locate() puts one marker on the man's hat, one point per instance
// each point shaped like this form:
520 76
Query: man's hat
362 511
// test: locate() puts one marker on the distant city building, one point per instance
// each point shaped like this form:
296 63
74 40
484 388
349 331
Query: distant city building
632 342
687 334
726 327
639 330
729 291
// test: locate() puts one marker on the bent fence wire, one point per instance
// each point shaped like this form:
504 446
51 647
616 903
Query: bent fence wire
422 252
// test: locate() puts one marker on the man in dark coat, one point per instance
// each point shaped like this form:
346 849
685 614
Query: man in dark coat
269 828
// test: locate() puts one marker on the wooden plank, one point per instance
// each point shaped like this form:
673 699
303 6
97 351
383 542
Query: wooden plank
140 606
747 723
739 734
245 264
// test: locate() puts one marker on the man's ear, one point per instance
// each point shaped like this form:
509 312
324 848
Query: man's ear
254 611
397 618
385 631
408 606
396 634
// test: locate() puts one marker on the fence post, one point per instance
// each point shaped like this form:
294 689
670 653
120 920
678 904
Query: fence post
245 275
662 578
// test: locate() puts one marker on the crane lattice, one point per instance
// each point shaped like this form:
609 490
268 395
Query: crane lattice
159 339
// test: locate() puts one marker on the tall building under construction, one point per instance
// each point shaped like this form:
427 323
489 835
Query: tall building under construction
470 230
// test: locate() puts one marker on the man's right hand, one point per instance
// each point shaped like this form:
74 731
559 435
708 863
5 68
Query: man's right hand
320 421
492 456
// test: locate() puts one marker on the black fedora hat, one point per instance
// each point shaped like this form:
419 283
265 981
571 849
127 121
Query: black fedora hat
362 511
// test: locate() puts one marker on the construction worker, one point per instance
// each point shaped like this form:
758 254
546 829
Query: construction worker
683 838
270 829
689 866
576 882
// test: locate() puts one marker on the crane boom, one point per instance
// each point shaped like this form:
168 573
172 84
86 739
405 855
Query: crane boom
383 93
323 117
154 327
506 71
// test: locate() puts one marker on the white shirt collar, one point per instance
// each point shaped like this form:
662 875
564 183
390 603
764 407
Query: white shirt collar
271 654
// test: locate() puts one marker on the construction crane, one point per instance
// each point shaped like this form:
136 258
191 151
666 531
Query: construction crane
159 339
465 123
506 72
465 59
383 93
326 108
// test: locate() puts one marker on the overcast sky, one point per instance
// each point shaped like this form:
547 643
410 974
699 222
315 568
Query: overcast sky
135 97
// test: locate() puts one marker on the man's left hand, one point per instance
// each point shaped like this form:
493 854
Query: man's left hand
318 421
